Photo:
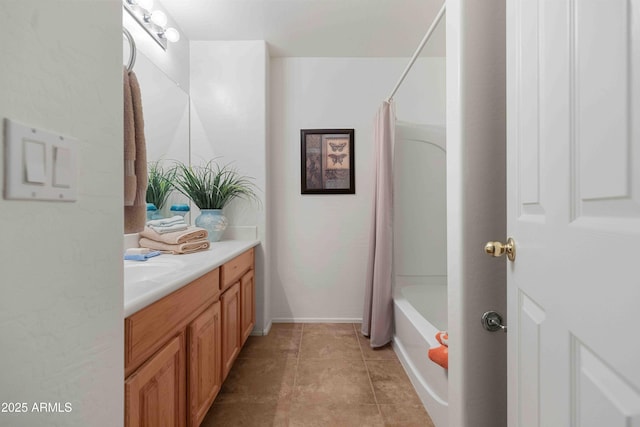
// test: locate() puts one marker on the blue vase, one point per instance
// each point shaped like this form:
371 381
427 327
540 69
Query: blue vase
214 222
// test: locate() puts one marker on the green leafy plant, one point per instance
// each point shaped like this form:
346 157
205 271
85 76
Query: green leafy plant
160 184
212 186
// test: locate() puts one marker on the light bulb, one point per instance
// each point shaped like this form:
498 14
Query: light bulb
145 4
159 18
172 35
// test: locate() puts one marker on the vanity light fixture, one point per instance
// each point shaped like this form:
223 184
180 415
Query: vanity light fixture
153 21
157 17
171 34
145 4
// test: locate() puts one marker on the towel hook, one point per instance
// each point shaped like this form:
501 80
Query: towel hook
132 50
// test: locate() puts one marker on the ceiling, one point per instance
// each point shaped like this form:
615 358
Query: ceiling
316 28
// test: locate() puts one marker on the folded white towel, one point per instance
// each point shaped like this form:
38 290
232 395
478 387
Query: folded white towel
169 228
176 219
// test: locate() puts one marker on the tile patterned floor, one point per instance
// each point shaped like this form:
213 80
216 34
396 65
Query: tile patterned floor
316 375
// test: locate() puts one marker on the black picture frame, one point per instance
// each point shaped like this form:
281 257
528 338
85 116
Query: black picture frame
327 161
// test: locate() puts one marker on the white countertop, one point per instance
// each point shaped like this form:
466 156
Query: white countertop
145 282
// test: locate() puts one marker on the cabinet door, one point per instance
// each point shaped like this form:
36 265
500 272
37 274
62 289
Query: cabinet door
155 393
204 363
231 343
247 296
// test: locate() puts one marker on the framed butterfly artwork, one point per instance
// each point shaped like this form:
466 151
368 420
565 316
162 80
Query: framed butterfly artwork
327 161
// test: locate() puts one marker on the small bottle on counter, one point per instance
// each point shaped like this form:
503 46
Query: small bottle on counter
180 209
153 212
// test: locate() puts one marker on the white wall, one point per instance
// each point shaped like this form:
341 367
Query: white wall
320 242
229 123
476 210
61 263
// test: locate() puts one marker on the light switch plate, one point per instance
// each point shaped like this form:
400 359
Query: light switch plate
59 181
62 167
35 162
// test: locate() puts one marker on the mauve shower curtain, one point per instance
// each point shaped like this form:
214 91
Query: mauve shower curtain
377 320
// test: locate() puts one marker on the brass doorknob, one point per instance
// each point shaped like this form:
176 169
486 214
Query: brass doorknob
497 249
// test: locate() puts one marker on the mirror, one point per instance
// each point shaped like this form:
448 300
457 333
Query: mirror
165 106
166 113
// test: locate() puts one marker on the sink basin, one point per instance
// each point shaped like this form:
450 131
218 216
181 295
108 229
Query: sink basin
136 271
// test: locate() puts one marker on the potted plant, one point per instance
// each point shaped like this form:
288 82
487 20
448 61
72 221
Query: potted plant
211 187
159 186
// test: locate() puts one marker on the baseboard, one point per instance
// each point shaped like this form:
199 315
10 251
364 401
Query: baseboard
265 331
267 328
262 333
316 320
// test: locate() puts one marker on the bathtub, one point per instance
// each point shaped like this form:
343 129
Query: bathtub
420 305
420 259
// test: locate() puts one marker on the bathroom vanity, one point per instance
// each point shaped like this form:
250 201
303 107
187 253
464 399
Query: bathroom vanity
183 335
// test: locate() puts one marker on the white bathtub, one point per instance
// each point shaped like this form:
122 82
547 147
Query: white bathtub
415 334
420 259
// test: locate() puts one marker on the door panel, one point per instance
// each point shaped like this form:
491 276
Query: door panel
529 138
603 397
606 175
573 151
601 91
531 317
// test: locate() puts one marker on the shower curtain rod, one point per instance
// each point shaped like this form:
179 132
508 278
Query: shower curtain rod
426 38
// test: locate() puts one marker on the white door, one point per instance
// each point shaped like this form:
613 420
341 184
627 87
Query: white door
573 134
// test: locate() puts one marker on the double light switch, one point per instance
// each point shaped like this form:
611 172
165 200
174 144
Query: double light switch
39 165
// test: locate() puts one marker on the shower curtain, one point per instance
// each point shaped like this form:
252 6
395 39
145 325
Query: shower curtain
377 321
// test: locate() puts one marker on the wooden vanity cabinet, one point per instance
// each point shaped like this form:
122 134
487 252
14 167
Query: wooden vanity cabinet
205 356
230 302
150 328
234 269
155 394
234 309
248 301
179 349
167 353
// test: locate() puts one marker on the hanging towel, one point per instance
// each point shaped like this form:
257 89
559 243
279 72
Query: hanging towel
440 355
177 237
135 216
129 144
184 248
